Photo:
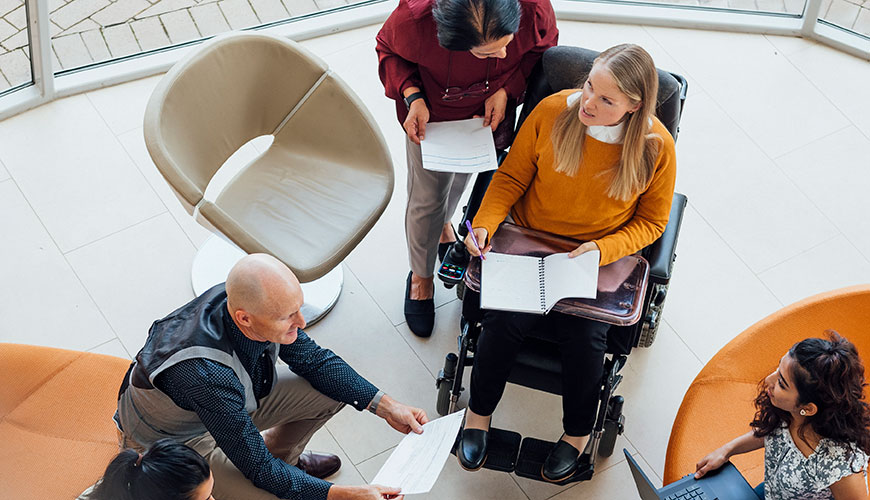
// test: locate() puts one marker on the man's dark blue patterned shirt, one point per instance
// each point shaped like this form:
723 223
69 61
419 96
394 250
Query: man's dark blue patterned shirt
214 392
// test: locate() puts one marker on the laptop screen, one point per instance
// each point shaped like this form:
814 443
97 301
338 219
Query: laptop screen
644 486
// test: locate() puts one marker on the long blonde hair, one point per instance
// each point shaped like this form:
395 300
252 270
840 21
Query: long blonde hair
635 74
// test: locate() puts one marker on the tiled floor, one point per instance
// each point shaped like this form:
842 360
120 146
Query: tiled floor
773 155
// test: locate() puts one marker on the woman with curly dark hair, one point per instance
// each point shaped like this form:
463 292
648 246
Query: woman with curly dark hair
813 423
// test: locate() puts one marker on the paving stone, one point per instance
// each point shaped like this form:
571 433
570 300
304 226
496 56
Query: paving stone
53 5
842 13
15 66
823 8
163 6
300 7
149 32
4 83
328 4
238 13
7 30
742 4
180 26
17 18
7 6
120 40
77 10
86 25
54 29
770 5
862 25
269 10
795 6
120 12
96 45
16 41
209 19
71 51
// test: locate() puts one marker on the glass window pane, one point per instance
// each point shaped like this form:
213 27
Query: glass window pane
794 7
92 31
14 45
853 15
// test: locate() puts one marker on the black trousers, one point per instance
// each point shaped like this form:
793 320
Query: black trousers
582 343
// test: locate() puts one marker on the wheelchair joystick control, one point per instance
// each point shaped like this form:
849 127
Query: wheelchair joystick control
453 267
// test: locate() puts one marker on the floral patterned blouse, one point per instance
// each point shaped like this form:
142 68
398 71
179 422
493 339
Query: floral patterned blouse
789 475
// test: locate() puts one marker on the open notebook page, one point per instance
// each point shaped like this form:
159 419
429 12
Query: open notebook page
510 283
566 277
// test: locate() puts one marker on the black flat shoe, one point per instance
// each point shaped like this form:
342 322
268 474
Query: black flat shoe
472 449
443 248
420 314
561 463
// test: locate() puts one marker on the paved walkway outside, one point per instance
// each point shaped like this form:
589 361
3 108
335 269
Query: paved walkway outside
86 31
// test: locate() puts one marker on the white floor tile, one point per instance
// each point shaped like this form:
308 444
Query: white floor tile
113 347
655 382
358 331
137 276
123 106
788 45
456 483
833 172
841 77
326 45
4 174
134 143
74 173
833 264
778 107
42 299
742 193
713 295
323 442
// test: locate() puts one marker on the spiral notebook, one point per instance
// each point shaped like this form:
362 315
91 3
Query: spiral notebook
534 284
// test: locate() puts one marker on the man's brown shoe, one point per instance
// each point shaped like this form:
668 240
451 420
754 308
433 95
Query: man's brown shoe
319 465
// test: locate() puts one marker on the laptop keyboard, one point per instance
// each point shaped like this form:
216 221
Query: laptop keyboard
690 493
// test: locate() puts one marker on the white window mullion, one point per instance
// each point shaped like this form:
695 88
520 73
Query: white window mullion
811 15
40 47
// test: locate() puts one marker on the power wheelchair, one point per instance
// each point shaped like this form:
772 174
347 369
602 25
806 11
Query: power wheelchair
538 365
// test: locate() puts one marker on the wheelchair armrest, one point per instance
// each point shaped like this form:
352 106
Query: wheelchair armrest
662 252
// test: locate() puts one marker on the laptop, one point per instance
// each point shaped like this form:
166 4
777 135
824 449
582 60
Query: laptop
725 483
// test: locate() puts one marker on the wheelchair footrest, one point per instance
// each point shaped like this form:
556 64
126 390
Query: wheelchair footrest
533 453
502 449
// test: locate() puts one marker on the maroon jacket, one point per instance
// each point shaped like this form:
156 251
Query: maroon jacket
409 56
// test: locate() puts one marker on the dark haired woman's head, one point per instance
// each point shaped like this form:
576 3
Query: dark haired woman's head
482 27
819 384
166 471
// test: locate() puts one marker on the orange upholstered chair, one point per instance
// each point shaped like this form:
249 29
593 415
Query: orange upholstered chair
719 404
56 430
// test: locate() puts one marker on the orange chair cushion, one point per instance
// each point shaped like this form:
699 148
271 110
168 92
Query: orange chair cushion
56 426
718 405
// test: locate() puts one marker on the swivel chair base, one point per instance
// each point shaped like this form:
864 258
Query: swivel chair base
217 256
509 452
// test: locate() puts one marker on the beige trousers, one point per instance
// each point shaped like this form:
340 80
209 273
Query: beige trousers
432 200
292 401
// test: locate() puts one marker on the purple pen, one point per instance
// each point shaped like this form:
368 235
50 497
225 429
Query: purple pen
474 239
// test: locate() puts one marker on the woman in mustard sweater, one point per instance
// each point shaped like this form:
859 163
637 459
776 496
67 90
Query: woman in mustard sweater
596 165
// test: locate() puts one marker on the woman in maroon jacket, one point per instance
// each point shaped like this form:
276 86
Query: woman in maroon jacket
446 60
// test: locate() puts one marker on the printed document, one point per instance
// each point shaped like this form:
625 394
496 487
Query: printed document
463 146
534 284
418 459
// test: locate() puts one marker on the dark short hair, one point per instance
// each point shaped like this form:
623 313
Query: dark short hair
166 471
465 24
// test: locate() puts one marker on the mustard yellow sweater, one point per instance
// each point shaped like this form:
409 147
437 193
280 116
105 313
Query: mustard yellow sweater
528 187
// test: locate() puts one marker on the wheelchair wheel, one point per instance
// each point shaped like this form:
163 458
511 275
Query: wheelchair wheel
613 426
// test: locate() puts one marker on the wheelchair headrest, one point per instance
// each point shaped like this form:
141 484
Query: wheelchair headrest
567 67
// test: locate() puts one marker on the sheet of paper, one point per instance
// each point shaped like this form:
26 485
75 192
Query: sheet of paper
418 459
575 278
464 146
510 283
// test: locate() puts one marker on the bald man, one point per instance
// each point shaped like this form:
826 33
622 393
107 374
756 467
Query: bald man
207 377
